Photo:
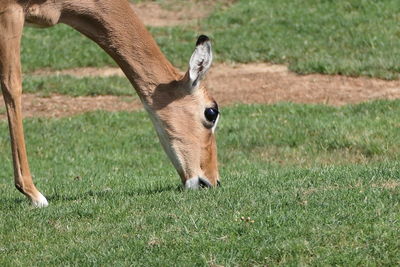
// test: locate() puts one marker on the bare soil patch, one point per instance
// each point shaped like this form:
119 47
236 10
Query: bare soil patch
174 12
241 83
62 106
265 83
81 72
152 14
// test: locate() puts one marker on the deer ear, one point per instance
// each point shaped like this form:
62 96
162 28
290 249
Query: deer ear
200 62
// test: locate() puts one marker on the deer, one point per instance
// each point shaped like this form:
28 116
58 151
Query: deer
182 111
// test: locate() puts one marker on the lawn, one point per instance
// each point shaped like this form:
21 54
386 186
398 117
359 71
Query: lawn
358 37
321 185
301 184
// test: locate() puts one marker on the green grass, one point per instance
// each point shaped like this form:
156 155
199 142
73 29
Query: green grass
60 47
321 183
358 37
317 181
86 86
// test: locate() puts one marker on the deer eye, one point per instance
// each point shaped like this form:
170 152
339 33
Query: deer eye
211 114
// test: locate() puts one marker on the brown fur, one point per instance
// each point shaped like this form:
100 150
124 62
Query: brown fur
113 25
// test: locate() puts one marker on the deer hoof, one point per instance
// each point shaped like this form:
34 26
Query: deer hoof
40 202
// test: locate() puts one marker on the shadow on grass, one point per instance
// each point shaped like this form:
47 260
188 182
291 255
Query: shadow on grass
155 190
11 203
109 193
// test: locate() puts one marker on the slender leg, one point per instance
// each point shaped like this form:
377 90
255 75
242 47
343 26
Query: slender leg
11 24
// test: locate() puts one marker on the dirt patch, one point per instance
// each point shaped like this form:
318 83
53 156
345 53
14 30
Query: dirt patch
391 184
81 72
267 84
61 105
264 83
240 83
174 12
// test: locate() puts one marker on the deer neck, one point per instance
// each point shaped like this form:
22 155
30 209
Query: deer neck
115 27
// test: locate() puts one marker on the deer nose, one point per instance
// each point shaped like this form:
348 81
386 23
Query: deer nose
204 183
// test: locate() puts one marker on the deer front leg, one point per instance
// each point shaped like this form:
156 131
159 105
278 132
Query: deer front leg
11 25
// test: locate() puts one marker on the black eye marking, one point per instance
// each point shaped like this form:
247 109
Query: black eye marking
211 114
215 105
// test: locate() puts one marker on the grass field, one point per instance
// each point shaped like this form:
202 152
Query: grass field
320 183
358 37
332 37
301 184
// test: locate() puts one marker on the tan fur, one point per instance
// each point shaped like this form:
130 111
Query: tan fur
176 110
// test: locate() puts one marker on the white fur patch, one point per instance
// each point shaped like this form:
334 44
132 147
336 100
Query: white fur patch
215 124
192 183
41 202
197 182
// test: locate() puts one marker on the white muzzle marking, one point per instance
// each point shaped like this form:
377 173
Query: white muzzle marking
192 183
197 182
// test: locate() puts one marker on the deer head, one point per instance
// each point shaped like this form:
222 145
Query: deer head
185 117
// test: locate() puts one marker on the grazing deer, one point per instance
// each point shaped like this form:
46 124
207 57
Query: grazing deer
183 113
